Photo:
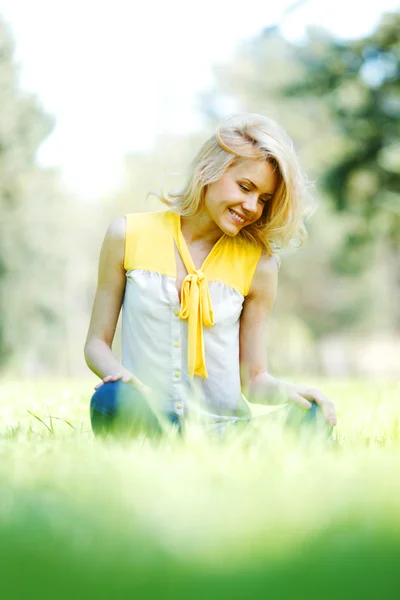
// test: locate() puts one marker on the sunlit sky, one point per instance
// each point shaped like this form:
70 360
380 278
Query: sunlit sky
115 73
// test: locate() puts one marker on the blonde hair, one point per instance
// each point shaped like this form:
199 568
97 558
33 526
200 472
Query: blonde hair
251 136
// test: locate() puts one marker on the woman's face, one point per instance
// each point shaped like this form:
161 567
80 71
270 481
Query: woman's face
238 198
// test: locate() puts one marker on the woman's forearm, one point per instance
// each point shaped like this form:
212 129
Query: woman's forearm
266 389
101 360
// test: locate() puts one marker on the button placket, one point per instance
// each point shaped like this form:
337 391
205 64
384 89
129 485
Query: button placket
176 360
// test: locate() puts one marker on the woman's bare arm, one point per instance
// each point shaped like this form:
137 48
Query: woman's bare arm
107 303
106 308
262 387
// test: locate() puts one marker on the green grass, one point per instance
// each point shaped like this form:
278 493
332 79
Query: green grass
261 514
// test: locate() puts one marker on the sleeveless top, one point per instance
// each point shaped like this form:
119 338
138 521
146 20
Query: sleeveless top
188 352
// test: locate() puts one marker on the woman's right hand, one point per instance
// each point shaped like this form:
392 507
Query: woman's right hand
125 377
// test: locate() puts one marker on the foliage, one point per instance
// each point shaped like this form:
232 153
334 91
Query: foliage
46 242
340 101
343 281
33 225
359 83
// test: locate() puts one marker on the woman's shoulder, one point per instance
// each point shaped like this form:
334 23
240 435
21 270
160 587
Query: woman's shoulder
266 272
116 230
114 241
268 262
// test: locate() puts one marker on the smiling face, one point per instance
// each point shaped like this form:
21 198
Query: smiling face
238 198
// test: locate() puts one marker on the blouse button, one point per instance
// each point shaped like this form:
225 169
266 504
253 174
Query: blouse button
177 373
179 406
176 344
176 313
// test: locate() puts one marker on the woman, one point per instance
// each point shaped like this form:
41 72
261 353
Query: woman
196 283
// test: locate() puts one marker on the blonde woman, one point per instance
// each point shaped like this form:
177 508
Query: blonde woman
196 283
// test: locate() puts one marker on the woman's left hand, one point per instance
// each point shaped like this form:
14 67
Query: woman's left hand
298 393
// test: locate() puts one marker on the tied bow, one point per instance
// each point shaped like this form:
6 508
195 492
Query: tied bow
197 309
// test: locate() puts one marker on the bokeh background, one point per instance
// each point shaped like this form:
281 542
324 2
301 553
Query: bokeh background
101 103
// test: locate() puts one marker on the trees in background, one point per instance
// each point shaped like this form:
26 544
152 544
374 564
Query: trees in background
34 240
359 83
340 101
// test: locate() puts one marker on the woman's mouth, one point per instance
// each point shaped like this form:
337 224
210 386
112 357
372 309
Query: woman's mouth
237 218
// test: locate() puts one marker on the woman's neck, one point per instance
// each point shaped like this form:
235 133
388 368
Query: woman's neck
200 227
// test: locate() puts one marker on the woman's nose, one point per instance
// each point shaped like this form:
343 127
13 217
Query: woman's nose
250 205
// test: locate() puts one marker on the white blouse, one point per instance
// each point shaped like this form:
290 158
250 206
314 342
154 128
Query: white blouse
155 337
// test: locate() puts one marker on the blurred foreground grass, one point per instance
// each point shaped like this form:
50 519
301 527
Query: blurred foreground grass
255 515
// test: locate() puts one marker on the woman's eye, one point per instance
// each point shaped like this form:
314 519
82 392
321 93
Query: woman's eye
243 187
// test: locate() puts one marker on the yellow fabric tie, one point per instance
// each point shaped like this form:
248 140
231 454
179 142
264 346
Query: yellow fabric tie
196 304
197 309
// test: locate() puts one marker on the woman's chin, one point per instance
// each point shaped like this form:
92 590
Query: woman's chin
233 229
232 233
230 229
